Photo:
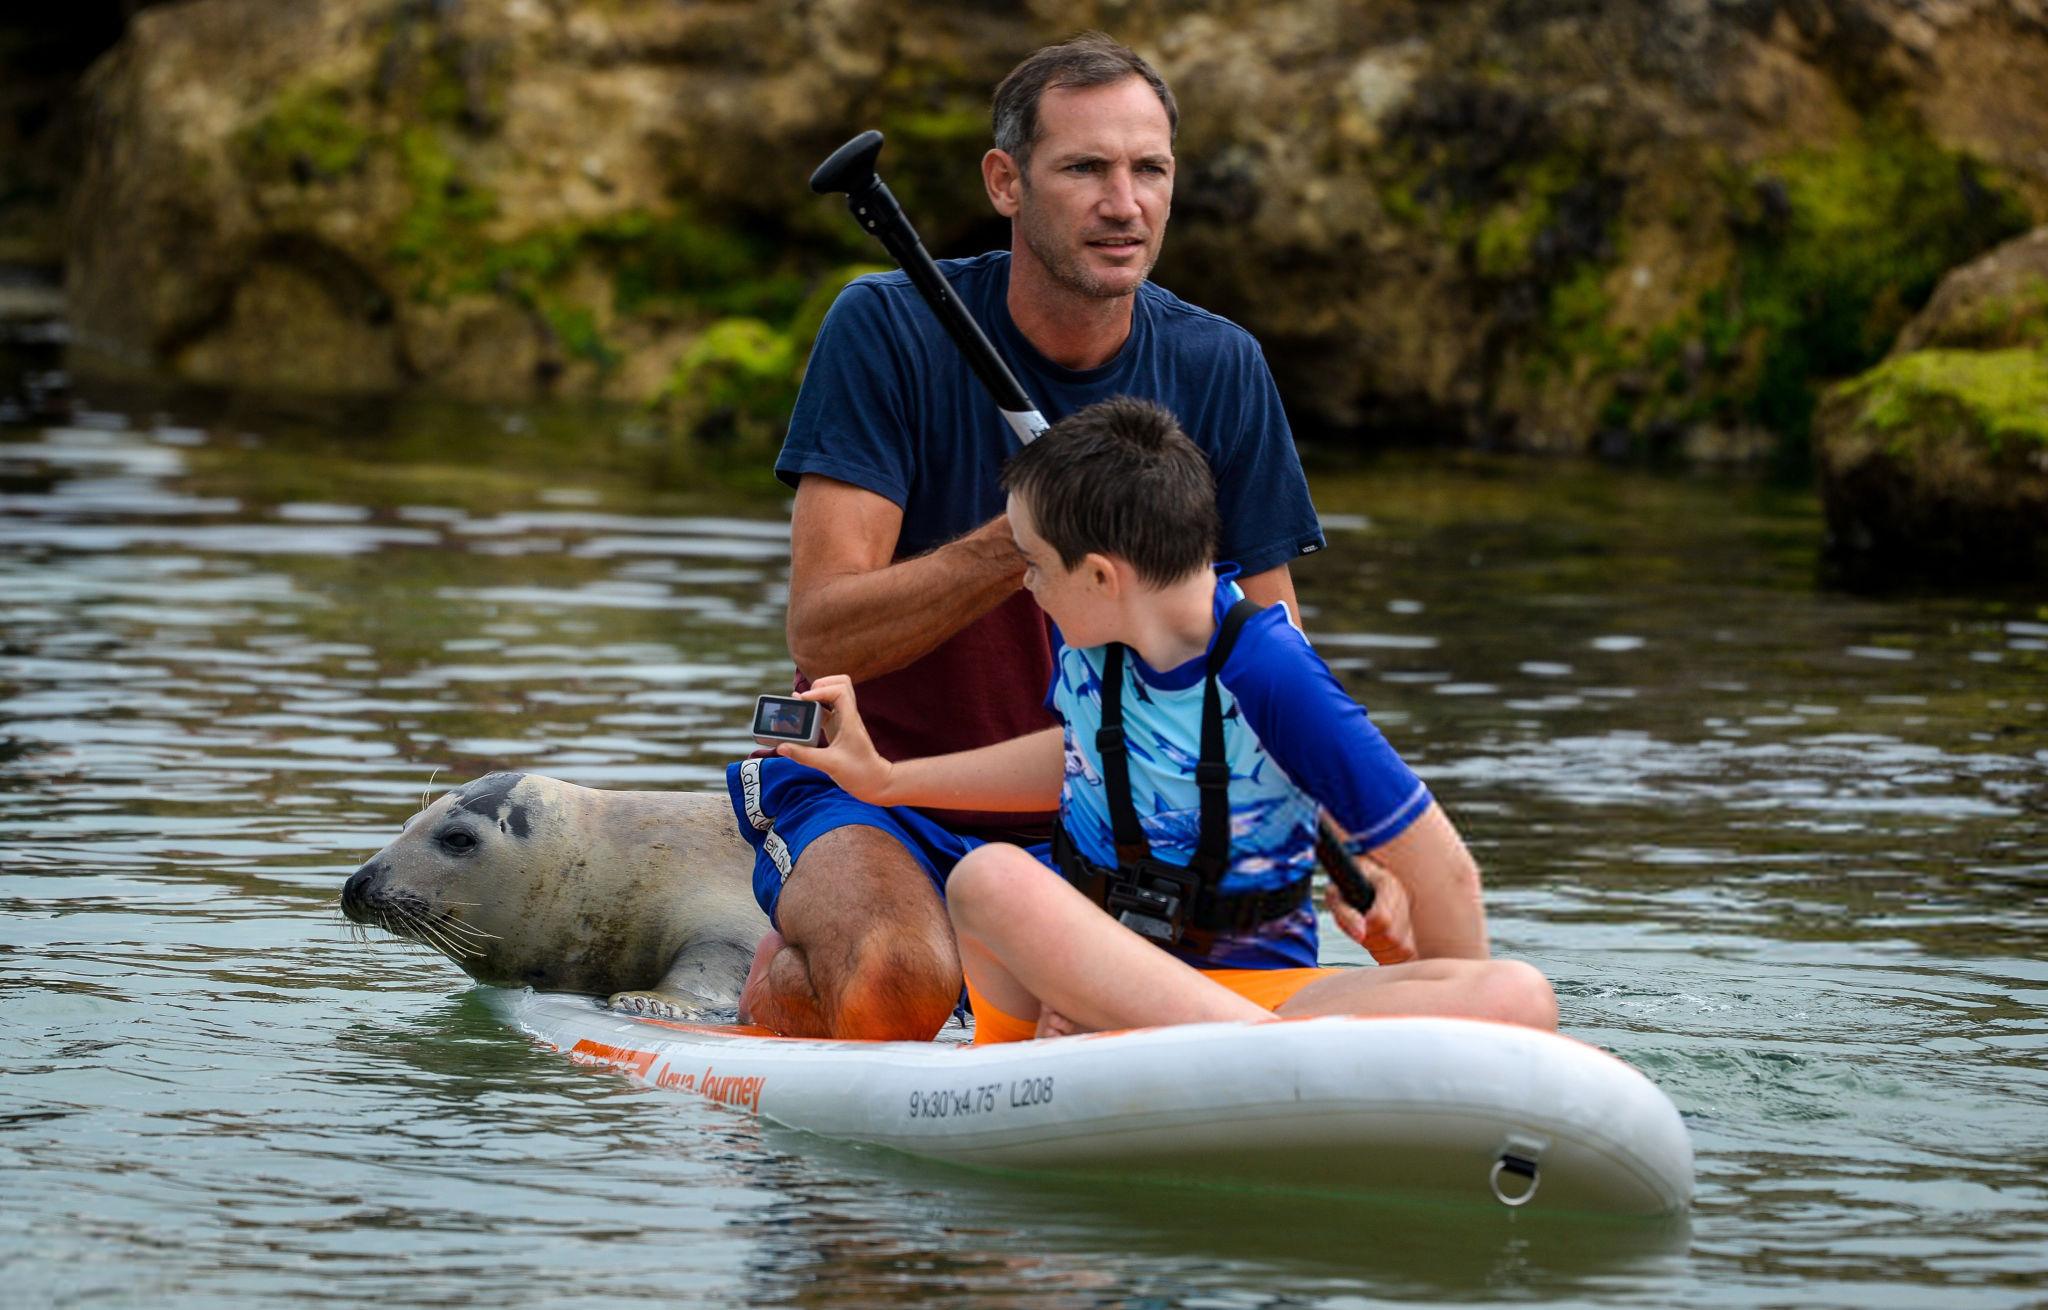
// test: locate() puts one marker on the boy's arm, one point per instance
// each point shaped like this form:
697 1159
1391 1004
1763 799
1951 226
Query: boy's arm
1442 881
1324 740
1022 774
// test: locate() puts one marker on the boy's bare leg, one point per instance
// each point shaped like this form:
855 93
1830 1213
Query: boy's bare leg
1506 990
864 949
1031 943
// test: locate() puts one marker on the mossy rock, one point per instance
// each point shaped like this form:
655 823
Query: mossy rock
1934 465
1991 303
739 379
309 135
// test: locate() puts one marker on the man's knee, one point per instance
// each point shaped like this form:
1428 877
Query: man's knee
857 879
897 991
873 936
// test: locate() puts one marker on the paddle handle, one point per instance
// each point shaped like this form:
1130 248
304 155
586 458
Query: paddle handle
1342 866
851 169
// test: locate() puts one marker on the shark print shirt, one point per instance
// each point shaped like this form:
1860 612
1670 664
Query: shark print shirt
1293 739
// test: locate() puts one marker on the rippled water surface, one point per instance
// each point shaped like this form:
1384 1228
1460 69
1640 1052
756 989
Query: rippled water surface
1783 849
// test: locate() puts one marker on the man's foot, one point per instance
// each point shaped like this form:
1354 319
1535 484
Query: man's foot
757 973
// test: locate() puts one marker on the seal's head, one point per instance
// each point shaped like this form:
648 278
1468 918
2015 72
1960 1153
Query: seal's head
527 881
404 888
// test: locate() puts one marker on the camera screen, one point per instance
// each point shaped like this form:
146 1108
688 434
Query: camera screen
784 716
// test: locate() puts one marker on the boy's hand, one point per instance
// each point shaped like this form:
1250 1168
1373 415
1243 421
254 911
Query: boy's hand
847 755
1385 931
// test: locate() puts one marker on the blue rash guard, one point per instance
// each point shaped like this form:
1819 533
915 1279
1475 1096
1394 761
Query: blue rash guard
1292 737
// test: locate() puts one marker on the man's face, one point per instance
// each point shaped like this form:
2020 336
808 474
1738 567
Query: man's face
1092 206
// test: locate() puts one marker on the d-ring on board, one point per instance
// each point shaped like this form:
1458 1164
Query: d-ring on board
1522 1157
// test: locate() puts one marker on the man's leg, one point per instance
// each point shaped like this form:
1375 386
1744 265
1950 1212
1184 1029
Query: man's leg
864 949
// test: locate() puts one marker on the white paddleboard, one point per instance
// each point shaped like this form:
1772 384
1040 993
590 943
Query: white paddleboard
1442 1109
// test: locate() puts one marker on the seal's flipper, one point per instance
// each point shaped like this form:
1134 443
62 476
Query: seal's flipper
655 1005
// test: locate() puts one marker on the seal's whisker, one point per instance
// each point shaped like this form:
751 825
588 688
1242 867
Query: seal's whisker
444 932
432 935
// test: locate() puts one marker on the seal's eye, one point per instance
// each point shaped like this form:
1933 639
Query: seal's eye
458 841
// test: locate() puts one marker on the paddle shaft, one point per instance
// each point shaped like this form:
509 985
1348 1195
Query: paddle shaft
851 169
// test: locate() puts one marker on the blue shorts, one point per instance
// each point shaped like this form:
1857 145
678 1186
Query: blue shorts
782 807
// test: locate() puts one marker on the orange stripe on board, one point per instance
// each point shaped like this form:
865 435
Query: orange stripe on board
615 1057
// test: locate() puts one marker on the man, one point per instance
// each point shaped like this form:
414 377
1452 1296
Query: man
903 573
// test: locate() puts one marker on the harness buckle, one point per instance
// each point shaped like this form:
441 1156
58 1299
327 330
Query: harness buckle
1152 899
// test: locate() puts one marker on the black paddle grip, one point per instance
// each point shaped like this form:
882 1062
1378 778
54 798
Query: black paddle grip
1342 866
851 168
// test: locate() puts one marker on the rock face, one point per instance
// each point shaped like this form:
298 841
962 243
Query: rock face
1935 463
1641 222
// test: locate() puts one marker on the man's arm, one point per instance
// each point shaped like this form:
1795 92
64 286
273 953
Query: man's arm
853 611
1273 587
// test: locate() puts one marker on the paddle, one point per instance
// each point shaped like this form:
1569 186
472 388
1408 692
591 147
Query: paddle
851 169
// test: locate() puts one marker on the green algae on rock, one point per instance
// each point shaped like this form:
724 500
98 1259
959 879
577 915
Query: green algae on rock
1993 397
737 381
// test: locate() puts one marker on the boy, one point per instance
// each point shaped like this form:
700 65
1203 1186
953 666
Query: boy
1165 678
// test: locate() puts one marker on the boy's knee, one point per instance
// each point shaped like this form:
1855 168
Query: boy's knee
1519 993
979 885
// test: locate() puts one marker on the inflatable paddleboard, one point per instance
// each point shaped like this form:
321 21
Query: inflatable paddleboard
1445 1109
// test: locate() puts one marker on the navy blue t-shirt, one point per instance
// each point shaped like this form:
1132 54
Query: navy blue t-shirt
890 405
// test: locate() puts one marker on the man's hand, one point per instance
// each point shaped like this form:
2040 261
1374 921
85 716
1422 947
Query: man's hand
1386 931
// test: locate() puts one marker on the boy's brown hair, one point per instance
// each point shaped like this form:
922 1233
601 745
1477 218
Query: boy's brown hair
1120 478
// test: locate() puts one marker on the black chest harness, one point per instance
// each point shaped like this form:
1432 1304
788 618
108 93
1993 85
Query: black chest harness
1168 903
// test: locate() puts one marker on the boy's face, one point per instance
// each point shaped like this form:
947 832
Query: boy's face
1072 598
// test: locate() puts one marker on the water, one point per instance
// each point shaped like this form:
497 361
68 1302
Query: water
1784 850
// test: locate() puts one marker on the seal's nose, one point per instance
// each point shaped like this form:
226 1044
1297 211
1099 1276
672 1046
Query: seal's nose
355 893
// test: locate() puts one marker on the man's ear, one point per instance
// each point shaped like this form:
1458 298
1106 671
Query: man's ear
1000 174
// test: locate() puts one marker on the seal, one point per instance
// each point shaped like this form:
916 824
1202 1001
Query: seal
525 881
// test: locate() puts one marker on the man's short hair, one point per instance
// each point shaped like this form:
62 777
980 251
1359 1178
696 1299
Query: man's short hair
1120 478
1090 59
